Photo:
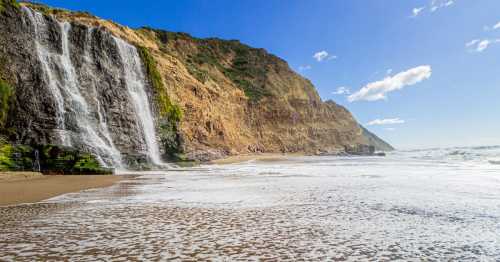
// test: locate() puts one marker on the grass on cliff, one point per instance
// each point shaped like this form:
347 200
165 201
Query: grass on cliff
167 108
48 10
244 71
5 3
246 68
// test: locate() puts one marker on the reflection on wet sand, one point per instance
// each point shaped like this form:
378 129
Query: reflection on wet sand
287 212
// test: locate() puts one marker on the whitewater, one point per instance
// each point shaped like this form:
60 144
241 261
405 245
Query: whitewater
433 204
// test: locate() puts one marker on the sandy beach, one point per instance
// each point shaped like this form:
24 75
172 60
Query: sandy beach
28 187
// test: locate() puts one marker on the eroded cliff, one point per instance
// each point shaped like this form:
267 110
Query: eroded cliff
208 97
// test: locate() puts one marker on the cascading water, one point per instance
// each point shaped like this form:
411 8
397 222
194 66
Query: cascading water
135 82
62 79
103 126
82 76
40 28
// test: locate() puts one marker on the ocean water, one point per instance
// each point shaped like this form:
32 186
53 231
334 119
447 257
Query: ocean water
438 204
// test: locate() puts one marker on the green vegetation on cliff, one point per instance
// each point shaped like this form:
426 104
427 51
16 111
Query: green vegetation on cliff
6 93
48 10
243 65
5 3
6 162
167 108
170 113
244 71
48 159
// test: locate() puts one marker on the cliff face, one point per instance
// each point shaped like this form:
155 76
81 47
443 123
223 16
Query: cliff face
134 96
375 141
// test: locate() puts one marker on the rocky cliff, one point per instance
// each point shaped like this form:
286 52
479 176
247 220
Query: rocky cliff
137 96
375 141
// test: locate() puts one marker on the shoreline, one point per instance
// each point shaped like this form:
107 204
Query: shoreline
249 157
30 187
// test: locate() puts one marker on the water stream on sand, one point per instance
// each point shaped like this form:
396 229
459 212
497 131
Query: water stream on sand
416 205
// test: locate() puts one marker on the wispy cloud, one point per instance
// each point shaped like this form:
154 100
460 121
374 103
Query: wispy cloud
478 45
331 57
322 55
378 90
305 68
472 42
496 26
390 129
483 45
389 71
432 7
416 11
342 91
438 4
493 27
387 121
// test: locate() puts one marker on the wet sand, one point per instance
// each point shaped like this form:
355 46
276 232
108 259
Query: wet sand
404 207
19 188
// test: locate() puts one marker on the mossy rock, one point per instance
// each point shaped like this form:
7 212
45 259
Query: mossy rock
56 159
49 159
6 162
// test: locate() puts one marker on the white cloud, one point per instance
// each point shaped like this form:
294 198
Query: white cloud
342 91
433 6
320 56
494 27
387 121
497 26
304 68
449 3
332 57
416 11
472 42
390 128
478 45
483 45
438 4
378 90
389 71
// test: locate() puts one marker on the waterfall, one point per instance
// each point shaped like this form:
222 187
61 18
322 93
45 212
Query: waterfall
40 28
61 77
95 78
135 82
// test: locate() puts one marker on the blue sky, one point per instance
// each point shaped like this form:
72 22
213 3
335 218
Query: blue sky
430 69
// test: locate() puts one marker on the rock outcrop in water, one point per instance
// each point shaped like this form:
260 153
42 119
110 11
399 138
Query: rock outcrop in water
136 97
